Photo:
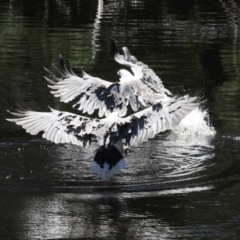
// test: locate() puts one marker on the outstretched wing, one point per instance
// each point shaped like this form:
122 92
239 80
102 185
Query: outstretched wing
94 93
58 127
64 127
158 118
145 74
90 92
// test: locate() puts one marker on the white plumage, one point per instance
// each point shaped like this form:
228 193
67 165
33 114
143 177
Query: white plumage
93 93
142 89
65 127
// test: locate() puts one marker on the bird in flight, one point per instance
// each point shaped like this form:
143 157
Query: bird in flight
139 90
143 90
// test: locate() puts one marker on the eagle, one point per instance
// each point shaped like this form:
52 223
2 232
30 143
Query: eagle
155 111
139 89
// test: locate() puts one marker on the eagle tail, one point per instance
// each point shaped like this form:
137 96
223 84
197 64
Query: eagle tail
107 161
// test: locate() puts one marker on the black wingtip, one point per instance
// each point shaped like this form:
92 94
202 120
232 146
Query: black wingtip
114 48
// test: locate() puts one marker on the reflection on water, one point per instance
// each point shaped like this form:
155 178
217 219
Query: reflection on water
182 184
110 216
96 27
164 163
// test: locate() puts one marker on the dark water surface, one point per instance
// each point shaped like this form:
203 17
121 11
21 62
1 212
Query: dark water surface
172 188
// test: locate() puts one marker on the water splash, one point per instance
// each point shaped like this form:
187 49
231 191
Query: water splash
195 128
